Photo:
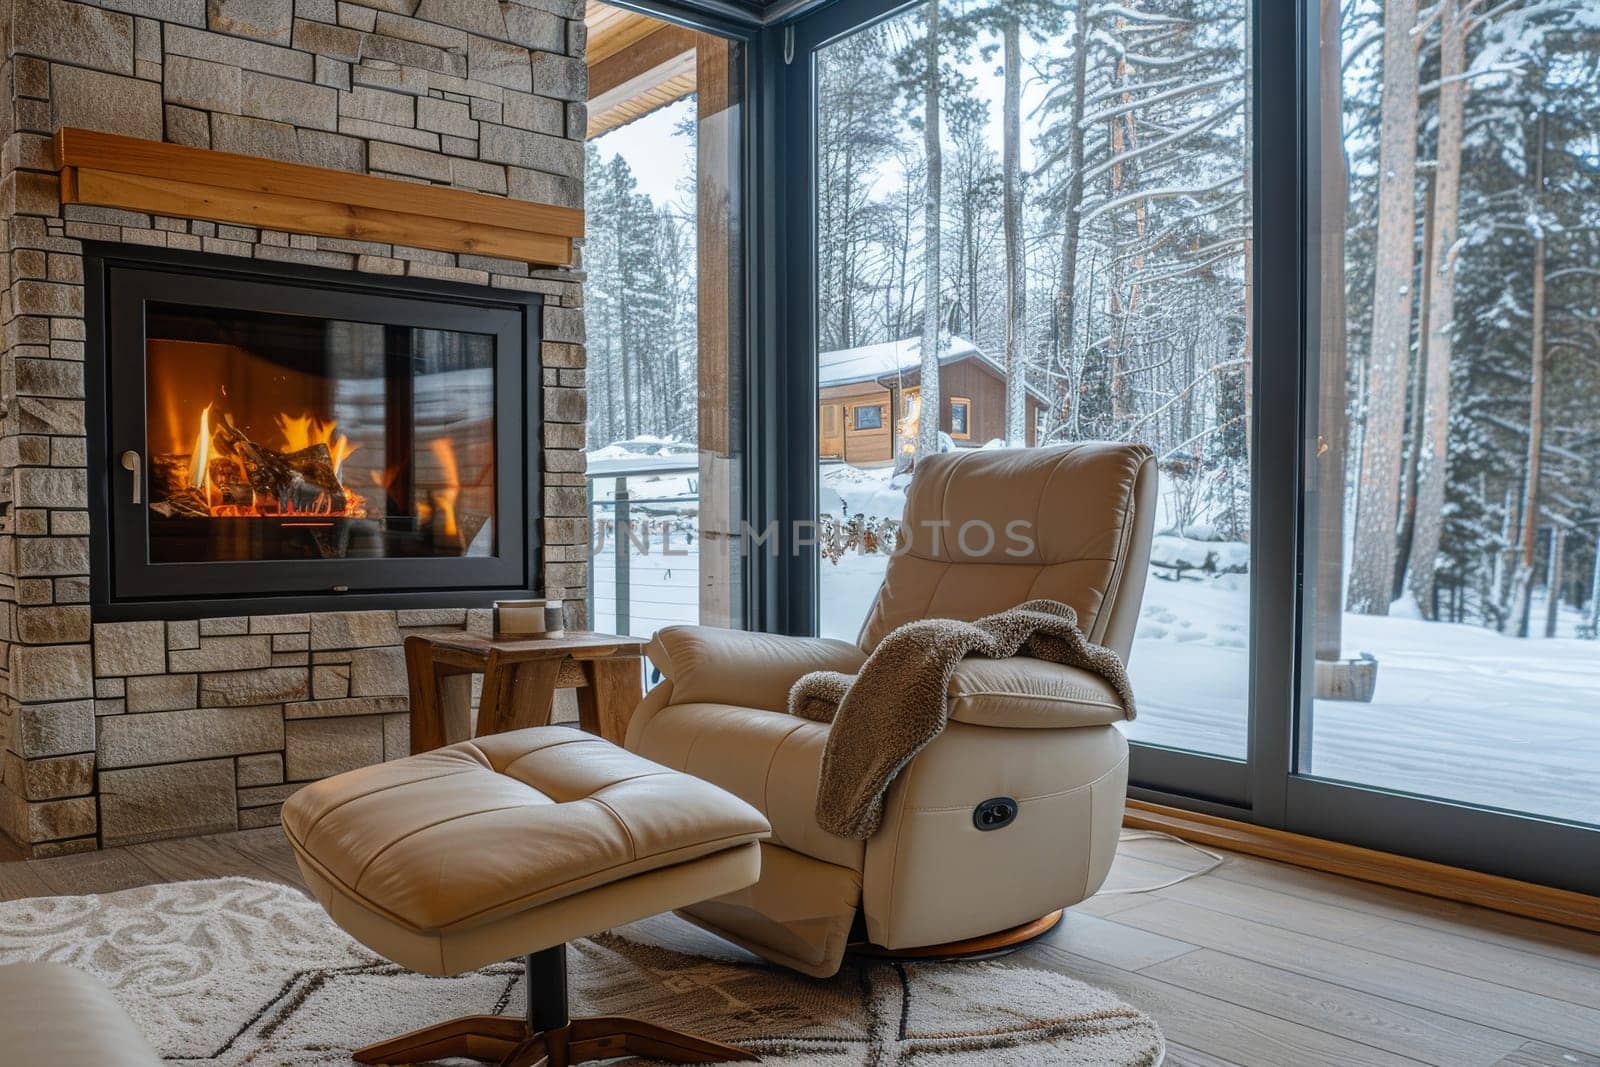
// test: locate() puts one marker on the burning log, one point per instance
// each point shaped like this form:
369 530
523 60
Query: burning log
228 481
302 482
186 503
228 474
169 474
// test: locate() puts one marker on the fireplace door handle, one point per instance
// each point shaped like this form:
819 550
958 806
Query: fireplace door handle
130 462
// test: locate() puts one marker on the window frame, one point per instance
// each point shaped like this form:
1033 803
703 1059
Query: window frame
966 417
855 416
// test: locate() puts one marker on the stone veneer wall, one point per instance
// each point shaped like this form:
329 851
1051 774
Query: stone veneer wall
122 732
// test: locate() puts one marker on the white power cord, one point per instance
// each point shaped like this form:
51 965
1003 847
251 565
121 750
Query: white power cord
1143 835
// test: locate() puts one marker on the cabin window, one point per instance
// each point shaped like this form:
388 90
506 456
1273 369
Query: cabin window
868 417
961 417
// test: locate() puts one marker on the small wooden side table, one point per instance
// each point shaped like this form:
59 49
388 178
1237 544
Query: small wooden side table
520 679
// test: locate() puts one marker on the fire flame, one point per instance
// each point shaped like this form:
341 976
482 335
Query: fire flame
200 456
445 498
303 431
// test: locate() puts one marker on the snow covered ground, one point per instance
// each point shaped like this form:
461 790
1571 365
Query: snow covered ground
1461 713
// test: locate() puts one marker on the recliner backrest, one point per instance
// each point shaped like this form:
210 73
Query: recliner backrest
985 530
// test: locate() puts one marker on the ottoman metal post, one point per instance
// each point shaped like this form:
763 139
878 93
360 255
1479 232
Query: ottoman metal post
515 843
546 976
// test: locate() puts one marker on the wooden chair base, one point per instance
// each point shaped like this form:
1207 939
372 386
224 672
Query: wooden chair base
547 1037
509 1041
995 944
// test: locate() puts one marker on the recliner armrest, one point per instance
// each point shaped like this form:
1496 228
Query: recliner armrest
754 670
1024 693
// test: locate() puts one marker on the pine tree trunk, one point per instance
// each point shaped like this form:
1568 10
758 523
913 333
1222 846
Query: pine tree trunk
1594 590
1434 471
1503 553
1522 581
1416 421
1332 388
1553 578
932 407
1377 502
1011 214
1071 225
847 235
1522 601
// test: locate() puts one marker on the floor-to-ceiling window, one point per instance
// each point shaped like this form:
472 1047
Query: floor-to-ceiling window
1455 546
1336 262
664 318
1044 236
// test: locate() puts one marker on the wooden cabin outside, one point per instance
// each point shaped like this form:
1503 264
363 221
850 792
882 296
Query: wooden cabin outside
868 400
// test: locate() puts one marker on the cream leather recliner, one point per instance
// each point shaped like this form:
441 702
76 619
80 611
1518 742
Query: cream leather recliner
1070 523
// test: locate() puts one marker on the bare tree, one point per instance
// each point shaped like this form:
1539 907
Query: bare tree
1011 213
1377 500
930 405
1433 456
1071 223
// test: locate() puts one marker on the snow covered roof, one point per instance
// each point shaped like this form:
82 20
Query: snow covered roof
887 359
870 362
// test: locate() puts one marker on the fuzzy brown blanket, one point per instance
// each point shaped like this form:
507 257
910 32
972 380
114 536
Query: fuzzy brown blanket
900 701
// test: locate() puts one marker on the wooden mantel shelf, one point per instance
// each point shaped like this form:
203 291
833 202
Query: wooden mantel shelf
108 170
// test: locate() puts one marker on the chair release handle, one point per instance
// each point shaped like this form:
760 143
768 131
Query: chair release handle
995 813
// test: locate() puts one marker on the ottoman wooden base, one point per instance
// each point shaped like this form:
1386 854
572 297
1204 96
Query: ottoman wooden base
547 1037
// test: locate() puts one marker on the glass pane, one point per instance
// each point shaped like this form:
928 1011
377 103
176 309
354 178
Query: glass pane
1458 488
1121 294
277 437
665 324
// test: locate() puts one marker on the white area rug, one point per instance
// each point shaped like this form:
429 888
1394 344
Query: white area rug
234 971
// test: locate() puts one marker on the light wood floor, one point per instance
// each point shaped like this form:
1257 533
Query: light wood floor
1254 963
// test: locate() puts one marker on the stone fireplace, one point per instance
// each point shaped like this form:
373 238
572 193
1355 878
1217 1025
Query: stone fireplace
122 725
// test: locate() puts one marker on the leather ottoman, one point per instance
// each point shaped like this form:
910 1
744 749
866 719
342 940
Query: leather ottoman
510 845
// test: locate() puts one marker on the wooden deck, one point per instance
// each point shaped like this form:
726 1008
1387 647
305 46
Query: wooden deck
1254 963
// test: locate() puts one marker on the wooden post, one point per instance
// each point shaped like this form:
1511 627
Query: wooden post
622 548
719 72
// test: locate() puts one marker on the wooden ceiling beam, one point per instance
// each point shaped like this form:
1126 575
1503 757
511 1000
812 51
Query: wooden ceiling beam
651 51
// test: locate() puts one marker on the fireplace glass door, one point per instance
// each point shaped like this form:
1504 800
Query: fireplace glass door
299 437
279 437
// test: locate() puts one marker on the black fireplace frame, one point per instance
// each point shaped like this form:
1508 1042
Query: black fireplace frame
122 581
